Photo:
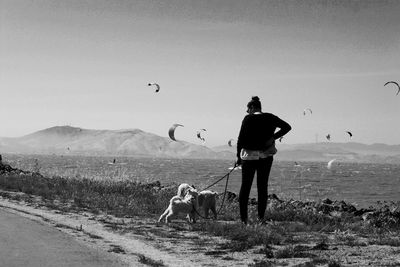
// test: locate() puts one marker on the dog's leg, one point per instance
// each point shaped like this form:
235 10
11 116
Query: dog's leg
168 217
206 212
193 215
163 215
214 211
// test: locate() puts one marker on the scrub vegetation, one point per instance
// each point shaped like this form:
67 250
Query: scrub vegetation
292 229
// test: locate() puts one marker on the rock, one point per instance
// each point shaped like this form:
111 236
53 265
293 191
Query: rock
253 201
360 212
327 201
230 196
321 246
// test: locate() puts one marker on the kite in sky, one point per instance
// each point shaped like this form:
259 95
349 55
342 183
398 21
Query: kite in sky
171 131
398 86
156 85
305 111
230 142
328 137
199 134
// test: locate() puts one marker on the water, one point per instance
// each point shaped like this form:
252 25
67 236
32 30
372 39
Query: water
362 184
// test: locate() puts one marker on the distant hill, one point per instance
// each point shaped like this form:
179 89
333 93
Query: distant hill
325 151
77 141
67 140
362 149
355 152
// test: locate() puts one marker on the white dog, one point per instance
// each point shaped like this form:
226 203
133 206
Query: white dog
187 205
183 189
207 201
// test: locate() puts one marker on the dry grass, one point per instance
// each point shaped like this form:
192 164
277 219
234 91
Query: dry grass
128 199
122 198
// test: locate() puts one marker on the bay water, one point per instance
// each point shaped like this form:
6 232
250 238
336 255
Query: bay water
361 184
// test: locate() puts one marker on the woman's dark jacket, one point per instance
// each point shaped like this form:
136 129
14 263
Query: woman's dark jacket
257 129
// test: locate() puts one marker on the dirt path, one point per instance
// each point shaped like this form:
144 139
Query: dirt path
132 238
28 243
144 242
94 233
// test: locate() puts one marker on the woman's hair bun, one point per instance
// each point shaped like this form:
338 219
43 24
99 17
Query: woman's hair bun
254 102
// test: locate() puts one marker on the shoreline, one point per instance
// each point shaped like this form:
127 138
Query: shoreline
361 185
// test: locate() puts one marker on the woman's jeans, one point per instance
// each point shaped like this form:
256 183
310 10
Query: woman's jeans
249 167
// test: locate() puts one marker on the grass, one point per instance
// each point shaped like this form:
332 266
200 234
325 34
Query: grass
242 237
122 198
129 199
393 240
313 263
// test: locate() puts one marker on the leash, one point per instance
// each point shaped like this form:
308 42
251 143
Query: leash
226 175
225 190
226 187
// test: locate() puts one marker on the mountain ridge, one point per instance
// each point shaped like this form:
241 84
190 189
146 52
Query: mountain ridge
136 142
124 142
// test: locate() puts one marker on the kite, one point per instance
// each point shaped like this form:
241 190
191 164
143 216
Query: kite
305 111
199 134
329 166
328 137
398 86
351 135
156 85
171 131
230 142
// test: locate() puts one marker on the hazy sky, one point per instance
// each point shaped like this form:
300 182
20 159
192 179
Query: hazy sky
87 64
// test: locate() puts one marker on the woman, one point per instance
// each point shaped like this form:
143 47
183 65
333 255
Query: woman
255 150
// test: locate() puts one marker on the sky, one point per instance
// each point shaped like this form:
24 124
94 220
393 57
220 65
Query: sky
88 63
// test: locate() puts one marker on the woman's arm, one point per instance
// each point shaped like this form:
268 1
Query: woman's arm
284 128
239 144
